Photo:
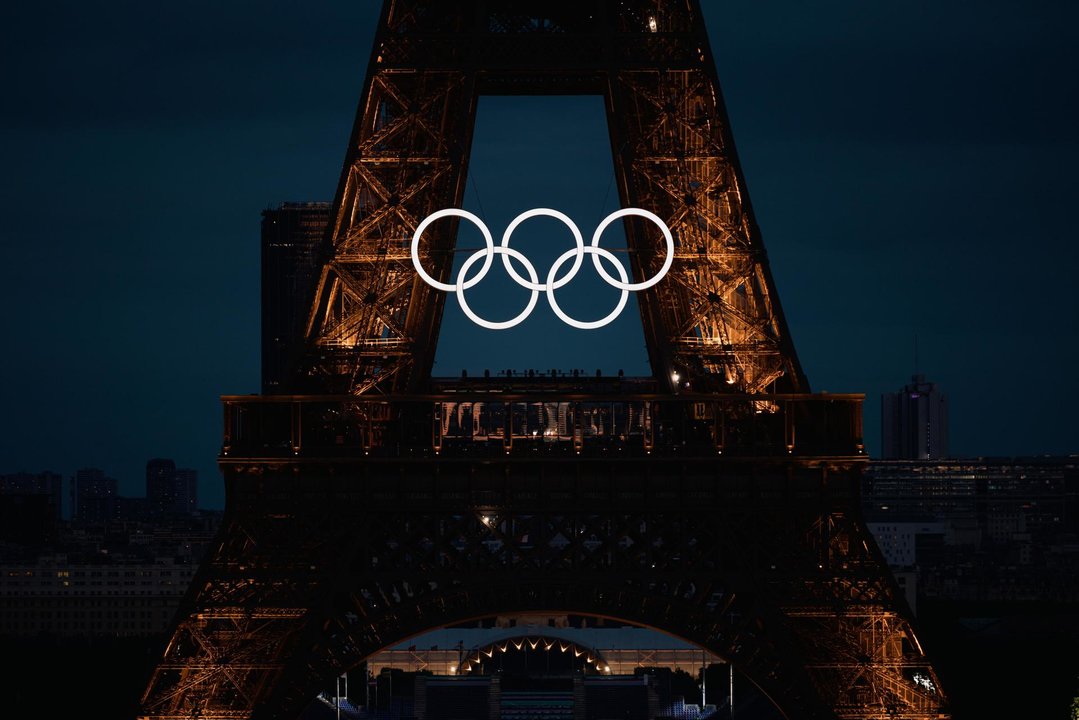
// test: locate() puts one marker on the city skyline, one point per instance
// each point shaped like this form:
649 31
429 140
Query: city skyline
909 172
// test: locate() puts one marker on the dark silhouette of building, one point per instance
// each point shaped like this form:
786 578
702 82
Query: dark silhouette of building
980 529
291 234
47 484
187 491
170 490
133 508
27 519
985 549
96 496
30 507
102 579
914 422
161 486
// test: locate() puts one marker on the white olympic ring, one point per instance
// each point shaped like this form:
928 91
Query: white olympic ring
488 254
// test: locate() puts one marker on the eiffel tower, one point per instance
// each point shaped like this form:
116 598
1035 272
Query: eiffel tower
717 500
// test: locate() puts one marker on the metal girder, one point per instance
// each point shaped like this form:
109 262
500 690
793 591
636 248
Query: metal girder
407 158
326 564
758 555
715 319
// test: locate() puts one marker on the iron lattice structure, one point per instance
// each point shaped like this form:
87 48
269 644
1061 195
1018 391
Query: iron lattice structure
716 318
381 504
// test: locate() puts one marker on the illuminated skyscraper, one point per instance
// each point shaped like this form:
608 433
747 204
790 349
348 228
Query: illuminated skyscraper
914 422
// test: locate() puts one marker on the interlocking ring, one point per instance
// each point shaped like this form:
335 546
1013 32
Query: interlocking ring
553 281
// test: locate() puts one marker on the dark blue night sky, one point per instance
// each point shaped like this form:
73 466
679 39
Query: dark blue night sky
912 167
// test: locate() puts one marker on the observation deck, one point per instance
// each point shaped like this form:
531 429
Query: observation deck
528 417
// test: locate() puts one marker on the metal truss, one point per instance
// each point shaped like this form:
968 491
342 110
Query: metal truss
373 321
717 316
762 563
351 524
716 319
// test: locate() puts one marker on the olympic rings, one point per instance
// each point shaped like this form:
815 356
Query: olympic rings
597 252
553 282
455 213
460 287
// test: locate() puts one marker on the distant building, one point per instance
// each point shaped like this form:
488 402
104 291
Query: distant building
27 520
68 597
978 529
96 496
133 508
898 541
161 486
47 484
170 490
291 236
187 491
914 422
623 649
114 578
30 507
557 667
981 501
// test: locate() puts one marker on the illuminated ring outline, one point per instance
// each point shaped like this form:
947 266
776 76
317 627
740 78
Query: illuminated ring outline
552 284
624 212
580 251
461 285
598 252
452 212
